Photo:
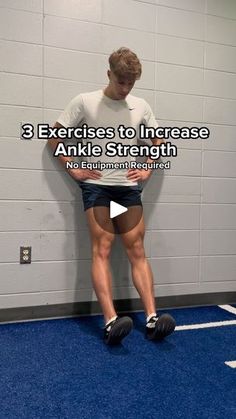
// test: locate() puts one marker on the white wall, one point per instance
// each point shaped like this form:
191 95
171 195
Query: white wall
54 49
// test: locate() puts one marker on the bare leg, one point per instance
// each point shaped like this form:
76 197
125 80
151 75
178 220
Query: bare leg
141 271
101 242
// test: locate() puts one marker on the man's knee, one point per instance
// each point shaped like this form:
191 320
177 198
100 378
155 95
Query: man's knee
135 250
101 247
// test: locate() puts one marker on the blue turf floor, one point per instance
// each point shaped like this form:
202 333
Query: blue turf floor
62 369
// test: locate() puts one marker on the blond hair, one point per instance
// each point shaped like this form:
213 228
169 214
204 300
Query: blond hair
125 64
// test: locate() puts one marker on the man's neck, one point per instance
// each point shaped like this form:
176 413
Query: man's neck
109 94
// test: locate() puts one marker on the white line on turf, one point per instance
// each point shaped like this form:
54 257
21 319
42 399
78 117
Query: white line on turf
206 325
228 308
231 364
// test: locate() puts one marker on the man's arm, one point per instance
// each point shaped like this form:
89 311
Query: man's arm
77 174
155 141
53 145
143 174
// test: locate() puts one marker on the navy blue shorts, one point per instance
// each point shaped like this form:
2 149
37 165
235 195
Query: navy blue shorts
95 195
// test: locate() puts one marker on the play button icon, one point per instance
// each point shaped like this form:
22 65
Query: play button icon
116 218
116 209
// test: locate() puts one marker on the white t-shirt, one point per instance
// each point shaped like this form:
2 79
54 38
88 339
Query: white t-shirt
98 110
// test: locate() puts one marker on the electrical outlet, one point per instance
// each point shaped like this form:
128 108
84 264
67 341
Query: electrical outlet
25 254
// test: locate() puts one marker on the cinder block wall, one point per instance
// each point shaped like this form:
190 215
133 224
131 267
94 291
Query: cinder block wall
52 50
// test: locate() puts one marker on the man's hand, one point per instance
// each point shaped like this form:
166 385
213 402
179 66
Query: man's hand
83 174
138 174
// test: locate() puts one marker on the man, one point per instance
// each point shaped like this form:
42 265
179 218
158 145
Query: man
111 107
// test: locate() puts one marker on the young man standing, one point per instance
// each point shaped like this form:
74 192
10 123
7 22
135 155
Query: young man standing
112 107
